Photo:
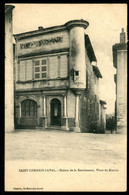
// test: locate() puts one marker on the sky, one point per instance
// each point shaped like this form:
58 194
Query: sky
105 23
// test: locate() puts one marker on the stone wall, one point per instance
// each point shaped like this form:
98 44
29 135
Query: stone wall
71 108
89 101
120 78
31 85
9 82
121 89
43 43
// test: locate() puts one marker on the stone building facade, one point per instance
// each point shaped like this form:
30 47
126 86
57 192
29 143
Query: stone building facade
120 78
9 75
57 79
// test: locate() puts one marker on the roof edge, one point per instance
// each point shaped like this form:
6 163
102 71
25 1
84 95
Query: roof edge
90 50
68 25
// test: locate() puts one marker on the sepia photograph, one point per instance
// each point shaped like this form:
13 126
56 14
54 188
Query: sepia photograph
65 97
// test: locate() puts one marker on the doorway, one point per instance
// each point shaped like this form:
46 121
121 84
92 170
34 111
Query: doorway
55 112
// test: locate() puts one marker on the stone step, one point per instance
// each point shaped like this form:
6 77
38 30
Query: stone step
54 127
25 126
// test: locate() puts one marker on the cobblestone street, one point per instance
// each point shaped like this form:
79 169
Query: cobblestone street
65 146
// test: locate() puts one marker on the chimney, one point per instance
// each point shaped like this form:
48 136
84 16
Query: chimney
122 36
40 28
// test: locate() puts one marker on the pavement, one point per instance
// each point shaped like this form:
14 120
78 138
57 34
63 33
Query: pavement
55 145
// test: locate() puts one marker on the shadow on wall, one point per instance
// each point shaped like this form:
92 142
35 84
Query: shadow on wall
110 123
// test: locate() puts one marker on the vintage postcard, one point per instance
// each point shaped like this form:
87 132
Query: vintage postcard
66 97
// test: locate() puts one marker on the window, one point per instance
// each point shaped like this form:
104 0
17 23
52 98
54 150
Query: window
37 69
37 76
76 77
44 68
28 108
40 68
44 75
56 110
44 62
37 63
76 73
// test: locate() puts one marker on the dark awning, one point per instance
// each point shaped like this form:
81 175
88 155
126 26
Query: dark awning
97 71
89 48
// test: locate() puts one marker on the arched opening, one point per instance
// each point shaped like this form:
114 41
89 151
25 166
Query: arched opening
29 108
28 112
55 112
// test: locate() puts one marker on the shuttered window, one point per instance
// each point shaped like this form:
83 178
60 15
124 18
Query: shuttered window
24 71
63 66
29 66
53 66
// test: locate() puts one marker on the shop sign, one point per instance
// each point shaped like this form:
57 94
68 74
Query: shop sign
41 43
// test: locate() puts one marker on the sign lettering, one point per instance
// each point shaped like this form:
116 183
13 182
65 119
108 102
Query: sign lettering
41 43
